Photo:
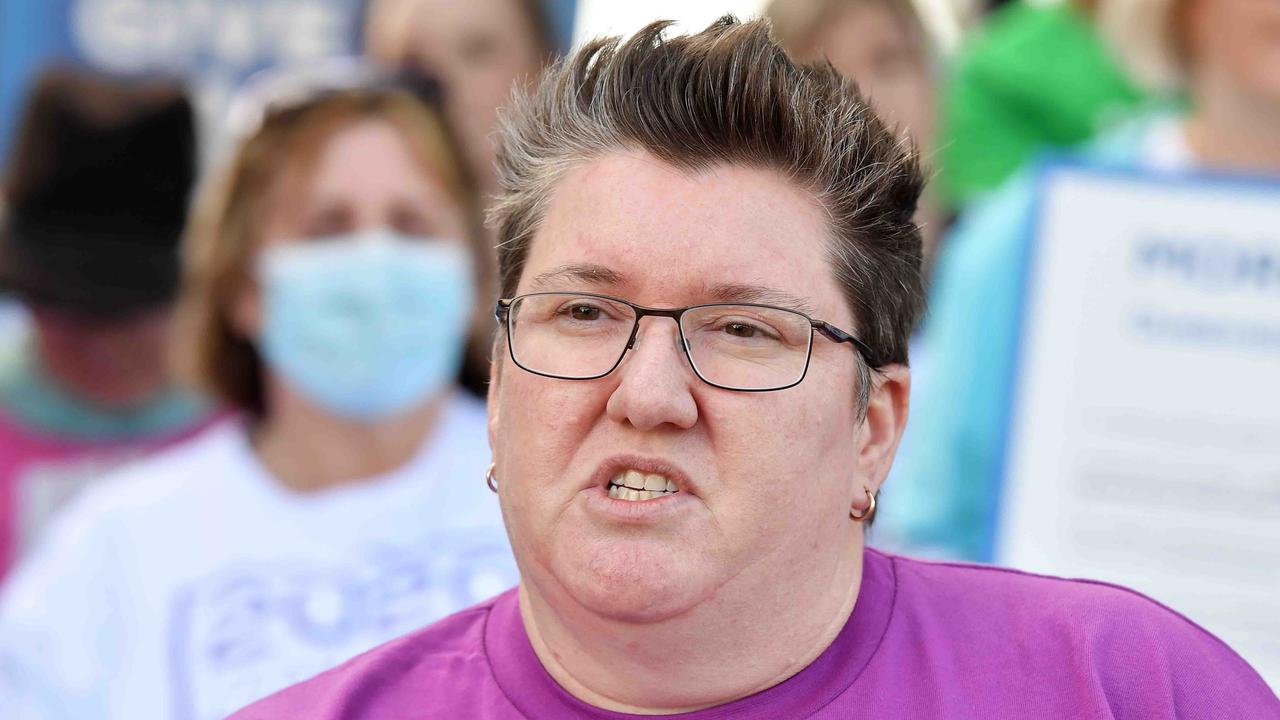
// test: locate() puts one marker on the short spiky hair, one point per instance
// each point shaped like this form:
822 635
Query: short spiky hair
727 95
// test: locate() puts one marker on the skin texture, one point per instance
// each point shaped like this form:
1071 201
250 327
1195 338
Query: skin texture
753 567
480 49
365 178
117 364
1233 67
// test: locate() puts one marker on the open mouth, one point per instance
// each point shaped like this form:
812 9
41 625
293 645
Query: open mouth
635 486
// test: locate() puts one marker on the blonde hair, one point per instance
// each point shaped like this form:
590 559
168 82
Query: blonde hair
797 24
232 207
1146 38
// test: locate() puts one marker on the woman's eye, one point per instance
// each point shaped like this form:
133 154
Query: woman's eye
410 223
326 221
584 312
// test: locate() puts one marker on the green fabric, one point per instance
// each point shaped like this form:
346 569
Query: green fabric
35 400
1033 77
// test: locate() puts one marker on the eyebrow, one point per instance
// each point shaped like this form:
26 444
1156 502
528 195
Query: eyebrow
591 274
762 295
602 276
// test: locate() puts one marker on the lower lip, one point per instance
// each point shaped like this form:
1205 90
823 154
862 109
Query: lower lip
637 511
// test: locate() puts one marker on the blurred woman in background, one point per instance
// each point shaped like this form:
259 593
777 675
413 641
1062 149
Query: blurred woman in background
331 272
1225 56
480 51
889 50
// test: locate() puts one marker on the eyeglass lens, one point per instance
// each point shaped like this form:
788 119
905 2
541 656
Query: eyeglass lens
744 347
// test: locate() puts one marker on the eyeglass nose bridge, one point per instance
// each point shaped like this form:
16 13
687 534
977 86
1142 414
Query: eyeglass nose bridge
675 314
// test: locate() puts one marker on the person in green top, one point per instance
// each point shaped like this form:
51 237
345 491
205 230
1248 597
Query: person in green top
1035 75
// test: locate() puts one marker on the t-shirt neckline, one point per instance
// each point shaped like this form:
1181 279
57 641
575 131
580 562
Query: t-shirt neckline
409 478
532 690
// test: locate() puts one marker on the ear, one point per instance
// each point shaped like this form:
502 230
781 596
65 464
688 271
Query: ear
880 433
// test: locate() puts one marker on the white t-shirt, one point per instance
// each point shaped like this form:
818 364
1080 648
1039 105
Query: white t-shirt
189 585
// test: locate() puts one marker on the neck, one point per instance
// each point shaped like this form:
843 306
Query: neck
307 449
1234 130
127 389
749 636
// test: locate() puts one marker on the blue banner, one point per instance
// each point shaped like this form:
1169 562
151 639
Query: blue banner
212 43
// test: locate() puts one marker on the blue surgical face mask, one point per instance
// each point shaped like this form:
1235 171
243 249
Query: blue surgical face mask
365 326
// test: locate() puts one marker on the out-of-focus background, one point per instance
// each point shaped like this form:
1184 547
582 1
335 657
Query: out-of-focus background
1096 383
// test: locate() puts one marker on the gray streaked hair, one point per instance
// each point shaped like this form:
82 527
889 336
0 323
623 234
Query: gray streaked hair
727 95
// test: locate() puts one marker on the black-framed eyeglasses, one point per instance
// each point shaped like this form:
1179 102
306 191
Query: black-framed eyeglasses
733 346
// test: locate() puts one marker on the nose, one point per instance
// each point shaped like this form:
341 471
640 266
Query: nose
655 381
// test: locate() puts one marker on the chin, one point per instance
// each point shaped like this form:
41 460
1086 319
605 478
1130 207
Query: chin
632 582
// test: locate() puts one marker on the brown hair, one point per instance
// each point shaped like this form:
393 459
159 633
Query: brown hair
728 94
232 207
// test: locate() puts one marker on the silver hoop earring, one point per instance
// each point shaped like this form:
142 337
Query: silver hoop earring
490 480
869 512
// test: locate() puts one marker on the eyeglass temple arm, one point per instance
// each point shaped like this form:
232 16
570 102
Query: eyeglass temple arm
837 335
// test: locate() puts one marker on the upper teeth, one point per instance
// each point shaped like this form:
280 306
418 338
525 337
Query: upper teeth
634 485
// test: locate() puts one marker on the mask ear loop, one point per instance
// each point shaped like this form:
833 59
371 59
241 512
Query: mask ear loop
492 481
865 515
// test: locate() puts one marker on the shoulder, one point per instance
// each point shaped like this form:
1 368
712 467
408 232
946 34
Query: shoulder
120 506
1076 608
1118 638
1123 143
462 438
164 490
429 669
992 232
159 478
1009 206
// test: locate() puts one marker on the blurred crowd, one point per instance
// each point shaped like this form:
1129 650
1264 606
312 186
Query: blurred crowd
243 361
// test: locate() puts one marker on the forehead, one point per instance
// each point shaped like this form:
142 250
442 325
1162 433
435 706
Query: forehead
363 150
446 18
672 236
367 161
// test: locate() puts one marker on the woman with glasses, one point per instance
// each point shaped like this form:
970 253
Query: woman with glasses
330 278
688 440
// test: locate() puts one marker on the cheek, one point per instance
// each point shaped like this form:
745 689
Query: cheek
1231 34
781 461
246 311
542 428
548 414
1262 59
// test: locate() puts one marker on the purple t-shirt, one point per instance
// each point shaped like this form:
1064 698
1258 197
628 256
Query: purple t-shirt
925 640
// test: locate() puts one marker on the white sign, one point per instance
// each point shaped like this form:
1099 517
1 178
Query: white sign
1145 442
